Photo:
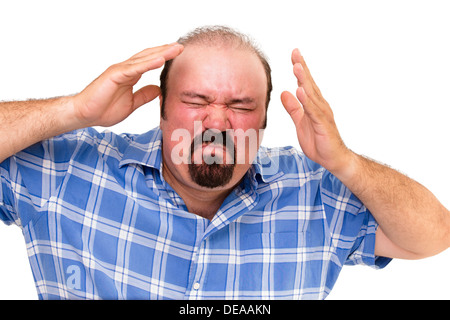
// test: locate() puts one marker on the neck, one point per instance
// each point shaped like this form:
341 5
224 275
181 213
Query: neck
203 202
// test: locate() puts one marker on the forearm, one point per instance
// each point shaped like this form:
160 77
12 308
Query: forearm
23 123
409 214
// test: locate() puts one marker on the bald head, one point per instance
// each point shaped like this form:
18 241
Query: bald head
218 37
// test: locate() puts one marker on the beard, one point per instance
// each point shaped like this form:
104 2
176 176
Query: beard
211 175
208 173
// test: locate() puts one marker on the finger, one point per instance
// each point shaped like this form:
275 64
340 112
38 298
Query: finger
307 84
293 107
152 50
297 58
173 52
315 112
132 69
303 79
145 95
167 51
151 61
170 52
132 72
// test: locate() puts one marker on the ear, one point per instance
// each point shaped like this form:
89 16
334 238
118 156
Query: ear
160 109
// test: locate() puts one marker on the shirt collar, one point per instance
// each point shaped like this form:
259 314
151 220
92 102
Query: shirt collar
146 150
266 165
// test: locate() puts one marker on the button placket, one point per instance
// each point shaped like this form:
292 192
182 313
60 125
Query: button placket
198 267
201 266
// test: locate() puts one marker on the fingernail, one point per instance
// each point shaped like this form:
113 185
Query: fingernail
298 65
179 46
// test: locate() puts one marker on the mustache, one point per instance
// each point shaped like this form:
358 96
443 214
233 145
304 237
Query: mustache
215 137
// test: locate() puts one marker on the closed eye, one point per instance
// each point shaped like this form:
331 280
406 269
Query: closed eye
194 99
244 104
195 104
240 108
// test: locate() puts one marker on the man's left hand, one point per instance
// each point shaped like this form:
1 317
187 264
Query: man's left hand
317 132
413 224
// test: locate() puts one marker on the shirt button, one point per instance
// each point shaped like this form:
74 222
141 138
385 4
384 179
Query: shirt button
196 286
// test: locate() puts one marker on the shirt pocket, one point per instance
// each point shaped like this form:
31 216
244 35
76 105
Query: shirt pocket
273 264
274 247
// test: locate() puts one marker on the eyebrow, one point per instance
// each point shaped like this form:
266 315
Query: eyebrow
191 94
246 100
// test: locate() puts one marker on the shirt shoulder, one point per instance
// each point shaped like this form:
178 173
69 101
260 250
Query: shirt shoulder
272 163
34 175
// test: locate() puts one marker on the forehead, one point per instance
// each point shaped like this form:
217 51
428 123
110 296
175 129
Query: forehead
218 70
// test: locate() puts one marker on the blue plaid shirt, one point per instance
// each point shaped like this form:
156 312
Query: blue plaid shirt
100 222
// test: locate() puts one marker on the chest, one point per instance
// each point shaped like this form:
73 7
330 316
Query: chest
120 239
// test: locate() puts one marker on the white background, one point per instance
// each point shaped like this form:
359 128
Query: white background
382 65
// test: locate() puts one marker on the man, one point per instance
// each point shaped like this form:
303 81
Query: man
188 210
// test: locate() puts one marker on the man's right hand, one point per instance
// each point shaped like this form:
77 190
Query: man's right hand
109 99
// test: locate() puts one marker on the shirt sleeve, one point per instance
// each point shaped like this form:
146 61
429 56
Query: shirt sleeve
352 228
30 177
7 214
363 249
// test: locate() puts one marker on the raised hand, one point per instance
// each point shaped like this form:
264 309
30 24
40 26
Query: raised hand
109 99
317 133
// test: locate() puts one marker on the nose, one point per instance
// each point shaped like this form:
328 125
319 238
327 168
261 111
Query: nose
216 117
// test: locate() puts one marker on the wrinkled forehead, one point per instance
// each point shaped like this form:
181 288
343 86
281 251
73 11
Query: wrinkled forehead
218 67
198 55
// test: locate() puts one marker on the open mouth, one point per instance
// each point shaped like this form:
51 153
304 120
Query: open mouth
211 150
212 153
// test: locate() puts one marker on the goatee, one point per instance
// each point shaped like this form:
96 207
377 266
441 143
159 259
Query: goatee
211 174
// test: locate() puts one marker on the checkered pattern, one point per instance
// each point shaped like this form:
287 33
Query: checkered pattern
100 222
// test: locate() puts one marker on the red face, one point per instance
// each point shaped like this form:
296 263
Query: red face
213 90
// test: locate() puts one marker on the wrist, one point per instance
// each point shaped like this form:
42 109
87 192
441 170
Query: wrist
70 116
348 172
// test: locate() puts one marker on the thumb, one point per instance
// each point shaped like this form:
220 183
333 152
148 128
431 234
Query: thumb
145 95
293 107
